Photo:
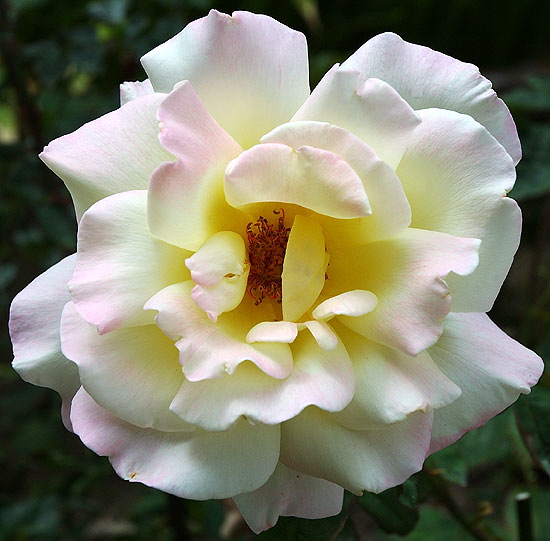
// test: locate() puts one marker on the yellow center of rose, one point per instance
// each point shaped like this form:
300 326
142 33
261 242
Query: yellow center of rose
266 252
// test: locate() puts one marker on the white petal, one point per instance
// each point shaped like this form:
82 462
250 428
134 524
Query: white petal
250 71
406 273
120 264
310 177
186 202
351 303
491 368
391 212
35 315
319 377
211 350
289 493
391 385
131 90
198 465
372 460
456 177
273 331
323 334
220 271
371 109
427 78
223 253
134 372
115 153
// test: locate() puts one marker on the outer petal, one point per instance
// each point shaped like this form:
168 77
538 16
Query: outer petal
289 493
371 109
210 350
115 153
35 315
491 368
312 178
250 71
120 264
319 377
131 90
456 177
197 465
391 212
134 372
407 275
373 460
391 385
186 199
426 78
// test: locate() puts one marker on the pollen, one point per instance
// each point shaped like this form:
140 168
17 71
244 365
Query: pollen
266 252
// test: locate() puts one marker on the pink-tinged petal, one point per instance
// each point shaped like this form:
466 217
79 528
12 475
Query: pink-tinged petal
220 271
391 212
351 303
211 350
250 71
304 267
289 493
371 109
186 199
115 153
407 276
323 334
198 465
35 315
310 177
374 460
131 90
273 331
390 385
456 177
491 368
426 78
120 264
134 372
319 377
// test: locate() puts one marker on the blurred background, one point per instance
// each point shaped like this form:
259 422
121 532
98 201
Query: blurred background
60 66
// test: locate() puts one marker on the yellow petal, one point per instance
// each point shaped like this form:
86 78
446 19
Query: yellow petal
304 267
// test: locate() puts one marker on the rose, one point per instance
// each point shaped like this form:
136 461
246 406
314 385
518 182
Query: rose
278 295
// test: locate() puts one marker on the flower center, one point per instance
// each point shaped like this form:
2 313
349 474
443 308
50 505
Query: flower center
266 252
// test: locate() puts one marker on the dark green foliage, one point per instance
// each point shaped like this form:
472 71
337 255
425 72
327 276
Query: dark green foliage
534 419
389 511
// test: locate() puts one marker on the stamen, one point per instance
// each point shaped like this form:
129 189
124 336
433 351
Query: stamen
266 252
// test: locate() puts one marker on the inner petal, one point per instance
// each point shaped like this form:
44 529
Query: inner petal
220 272
304 267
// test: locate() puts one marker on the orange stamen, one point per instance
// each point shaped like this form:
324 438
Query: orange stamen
266 252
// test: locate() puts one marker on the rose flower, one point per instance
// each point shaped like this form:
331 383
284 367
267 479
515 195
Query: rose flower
280 295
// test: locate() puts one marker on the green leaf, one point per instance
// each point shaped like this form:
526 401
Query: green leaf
535 96
534 168
299 529
409 495
534 417
450 464
389 511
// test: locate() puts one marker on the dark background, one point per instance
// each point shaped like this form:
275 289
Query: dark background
60 66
